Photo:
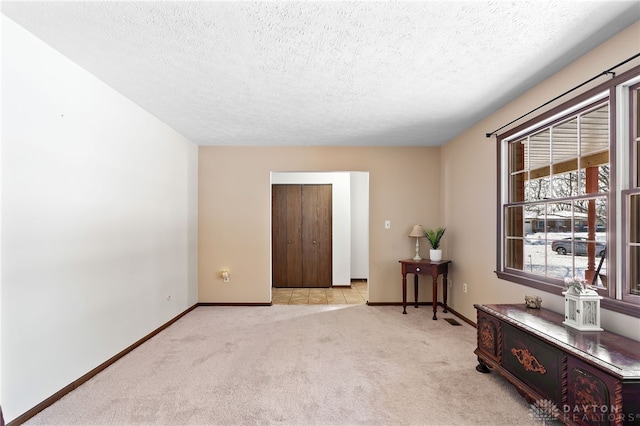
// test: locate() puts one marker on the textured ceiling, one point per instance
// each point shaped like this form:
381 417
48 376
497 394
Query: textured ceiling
323 73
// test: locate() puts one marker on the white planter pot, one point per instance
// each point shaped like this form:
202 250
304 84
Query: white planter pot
435 255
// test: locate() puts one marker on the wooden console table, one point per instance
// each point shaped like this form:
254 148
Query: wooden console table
425 267
582 377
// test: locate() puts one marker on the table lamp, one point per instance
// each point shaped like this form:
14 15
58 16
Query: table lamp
417 232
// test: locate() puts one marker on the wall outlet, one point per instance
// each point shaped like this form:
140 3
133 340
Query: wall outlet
464 287
225 275
387 224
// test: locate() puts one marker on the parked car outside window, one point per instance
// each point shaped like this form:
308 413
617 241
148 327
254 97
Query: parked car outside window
566 245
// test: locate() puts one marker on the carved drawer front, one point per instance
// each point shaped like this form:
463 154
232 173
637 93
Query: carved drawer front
533 362
489 336
591 396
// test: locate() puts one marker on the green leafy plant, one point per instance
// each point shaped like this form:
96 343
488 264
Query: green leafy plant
434 236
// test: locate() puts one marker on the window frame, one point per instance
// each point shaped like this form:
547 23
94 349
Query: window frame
632 190
618 231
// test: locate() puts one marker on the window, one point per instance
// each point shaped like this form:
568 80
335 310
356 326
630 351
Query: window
569 195
632 202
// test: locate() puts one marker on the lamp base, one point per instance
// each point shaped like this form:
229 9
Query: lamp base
417 256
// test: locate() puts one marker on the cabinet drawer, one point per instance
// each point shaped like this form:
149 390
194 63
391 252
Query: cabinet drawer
415 269
533 362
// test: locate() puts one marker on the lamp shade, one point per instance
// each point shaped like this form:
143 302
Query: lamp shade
417 231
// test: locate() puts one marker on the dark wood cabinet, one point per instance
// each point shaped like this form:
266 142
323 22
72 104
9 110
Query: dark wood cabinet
301 235
589 377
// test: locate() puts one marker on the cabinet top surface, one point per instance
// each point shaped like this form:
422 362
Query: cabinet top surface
615 352
425 262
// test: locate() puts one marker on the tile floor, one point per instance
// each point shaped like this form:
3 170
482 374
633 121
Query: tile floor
354 295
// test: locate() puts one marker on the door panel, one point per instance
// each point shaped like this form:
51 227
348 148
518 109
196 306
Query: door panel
294 236
278 236
301 235
316 235
286 232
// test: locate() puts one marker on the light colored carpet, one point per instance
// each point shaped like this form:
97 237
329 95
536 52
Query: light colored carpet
298 365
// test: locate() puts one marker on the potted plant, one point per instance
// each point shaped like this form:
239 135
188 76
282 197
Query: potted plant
434 236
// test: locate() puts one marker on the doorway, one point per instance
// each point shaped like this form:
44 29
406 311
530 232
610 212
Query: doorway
350 221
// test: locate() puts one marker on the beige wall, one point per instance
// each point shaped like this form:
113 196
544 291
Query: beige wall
452 186
235 207
469 181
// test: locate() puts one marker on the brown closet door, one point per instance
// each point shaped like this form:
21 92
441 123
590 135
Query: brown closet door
286 234
316 235
301 233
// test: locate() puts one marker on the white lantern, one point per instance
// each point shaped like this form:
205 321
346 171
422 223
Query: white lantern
582 310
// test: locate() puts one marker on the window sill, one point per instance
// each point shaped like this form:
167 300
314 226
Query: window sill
618 306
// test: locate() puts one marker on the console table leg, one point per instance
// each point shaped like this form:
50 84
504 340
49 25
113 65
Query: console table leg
415 288
445 284
404 294
435 293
